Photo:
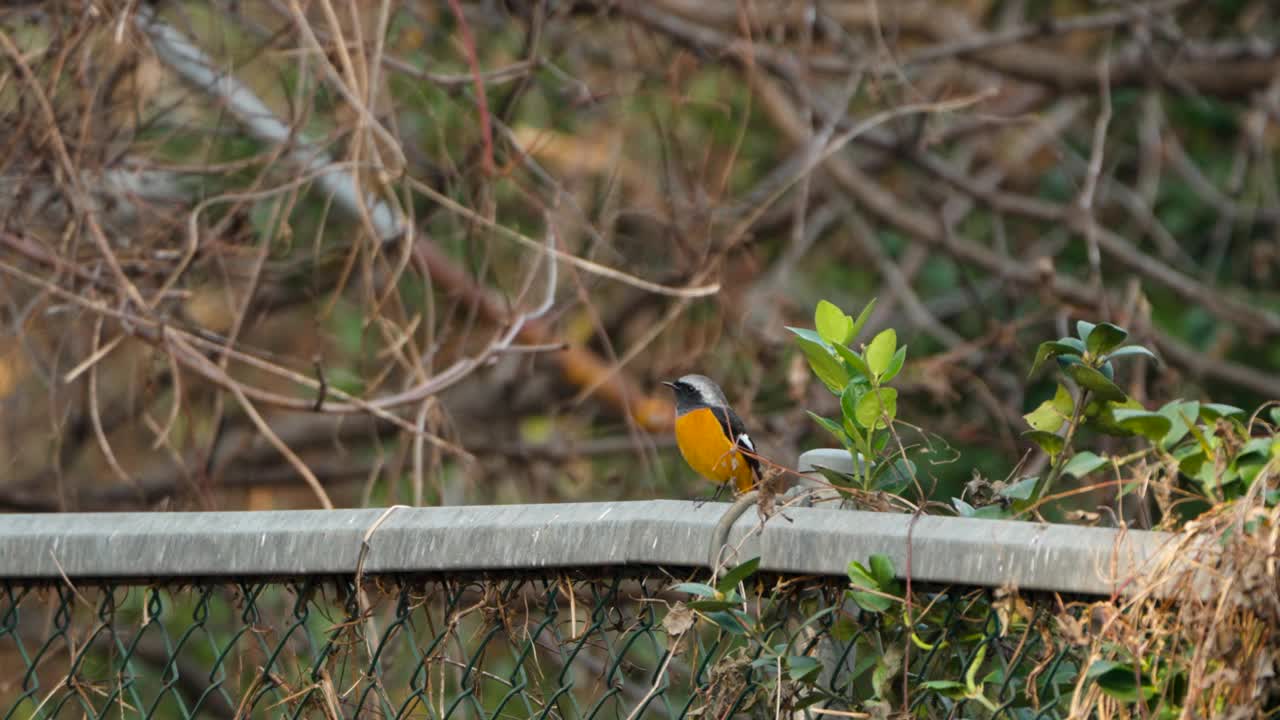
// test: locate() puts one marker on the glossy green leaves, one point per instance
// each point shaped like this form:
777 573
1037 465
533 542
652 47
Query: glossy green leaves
822 360
859 375
832 324
1098 403
873 589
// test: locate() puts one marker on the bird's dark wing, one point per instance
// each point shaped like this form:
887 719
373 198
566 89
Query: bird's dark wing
737 430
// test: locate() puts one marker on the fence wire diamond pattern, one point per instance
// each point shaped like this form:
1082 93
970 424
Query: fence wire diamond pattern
565 646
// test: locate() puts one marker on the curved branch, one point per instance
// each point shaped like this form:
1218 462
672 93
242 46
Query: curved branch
959 38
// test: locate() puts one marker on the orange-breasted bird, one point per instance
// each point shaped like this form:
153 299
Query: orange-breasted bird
711 436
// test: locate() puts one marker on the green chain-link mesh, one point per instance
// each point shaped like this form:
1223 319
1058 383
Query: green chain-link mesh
558 646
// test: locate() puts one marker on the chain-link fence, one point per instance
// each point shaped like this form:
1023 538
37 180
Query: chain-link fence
560 646
160 638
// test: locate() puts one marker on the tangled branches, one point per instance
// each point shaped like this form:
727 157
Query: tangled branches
378 238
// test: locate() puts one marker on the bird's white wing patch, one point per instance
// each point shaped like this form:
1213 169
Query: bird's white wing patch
745 442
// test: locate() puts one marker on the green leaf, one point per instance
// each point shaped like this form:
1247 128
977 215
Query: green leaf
832 324
860 575
875 406
816 696
1178 411
832 427
1190 459
1197 432
1105 337
882 570
1084 329
706 606
856 363
738 574
732 621
1130 350
1077 346
1213 482
1119 681
807 334
697 589
987 512
862 578
1045 418
870 601
802 667
1108 371
1062 401
1099 416
862 320
1259 445
824 364
1050 443
1051 414
1150 425
1053 348
1066 361
894 477
1212 411
1067 673
880 351
1083 463
895 365
1096 382
887 668
879 443
853 392
837 478
1020 490
866 657
1249 472
1274 412
994 511
1102 667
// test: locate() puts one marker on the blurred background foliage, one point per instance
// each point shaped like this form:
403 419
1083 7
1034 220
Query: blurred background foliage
193 272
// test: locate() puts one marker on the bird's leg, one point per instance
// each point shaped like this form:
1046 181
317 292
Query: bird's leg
700 501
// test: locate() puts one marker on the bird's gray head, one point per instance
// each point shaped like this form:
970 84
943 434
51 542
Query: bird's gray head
695 391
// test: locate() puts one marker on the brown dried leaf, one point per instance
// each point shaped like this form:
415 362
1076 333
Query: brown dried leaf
678 620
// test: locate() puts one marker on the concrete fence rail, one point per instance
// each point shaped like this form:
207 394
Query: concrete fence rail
140 547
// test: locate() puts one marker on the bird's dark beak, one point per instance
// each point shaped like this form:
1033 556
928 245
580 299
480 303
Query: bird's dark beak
669 384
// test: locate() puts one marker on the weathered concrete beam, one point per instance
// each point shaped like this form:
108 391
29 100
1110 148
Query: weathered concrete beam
142 546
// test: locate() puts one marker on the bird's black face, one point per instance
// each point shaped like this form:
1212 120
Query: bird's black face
695 391
686 394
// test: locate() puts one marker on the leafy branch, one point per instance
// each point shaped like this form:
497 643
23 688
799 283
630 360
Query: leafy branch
860 379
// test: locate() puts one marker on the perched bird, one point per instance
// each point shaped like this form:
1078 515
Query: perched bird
711 436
